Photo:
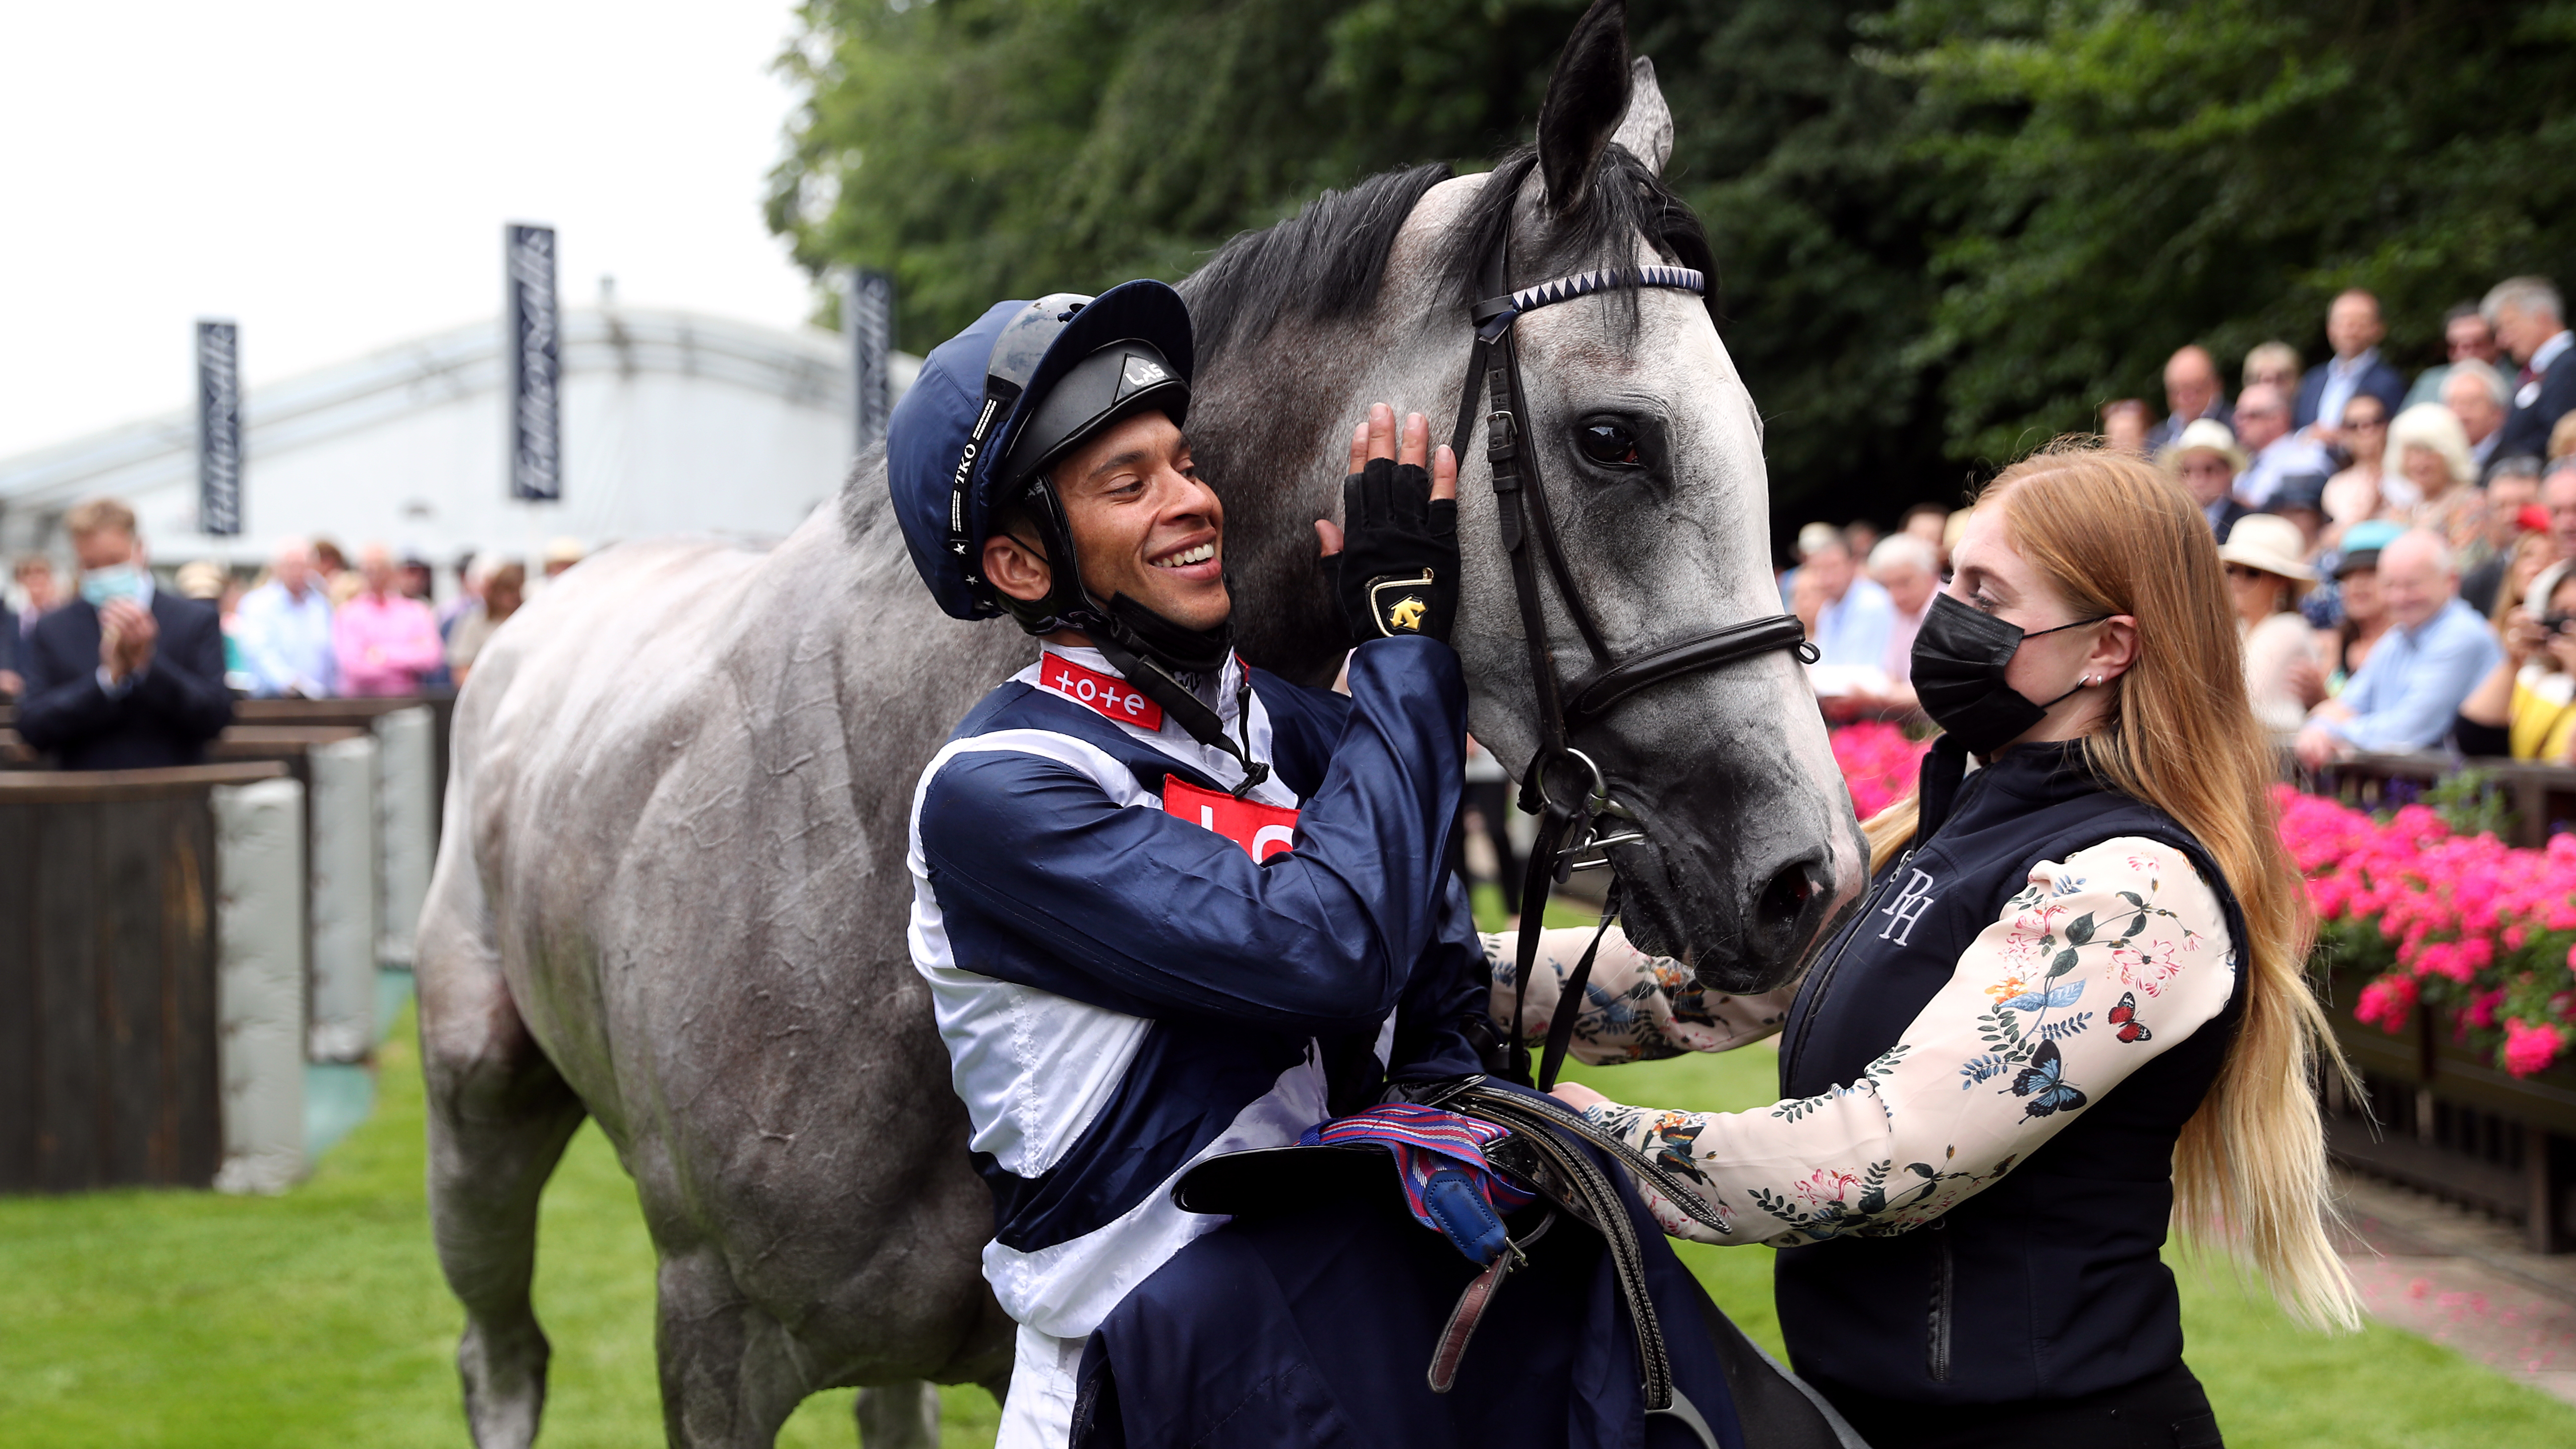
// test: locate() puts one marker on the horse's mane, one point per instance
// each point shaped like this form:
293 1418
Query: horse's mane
1325 262
1328 261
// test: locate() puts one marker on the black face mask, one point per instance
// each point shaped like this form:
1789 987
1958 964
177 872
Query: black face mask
1959 661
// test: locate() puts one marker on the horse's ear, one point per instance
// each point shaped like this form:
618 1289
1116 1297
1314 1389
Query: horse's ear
1647 129
1585 99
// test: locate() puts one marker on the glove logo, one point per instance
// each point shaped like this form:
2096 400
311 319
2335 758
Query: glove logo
1400 605
1396 576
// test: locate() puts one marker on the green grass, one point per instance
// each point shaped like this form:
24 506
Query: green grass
318 1318
1487 900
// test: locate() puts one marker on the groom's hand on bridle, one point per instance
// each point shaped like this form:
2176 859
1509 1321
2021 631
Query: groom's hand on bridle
1393 562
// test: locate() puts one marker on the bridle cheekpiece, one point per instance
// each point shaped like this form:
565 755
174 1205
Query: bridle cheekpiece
1579 819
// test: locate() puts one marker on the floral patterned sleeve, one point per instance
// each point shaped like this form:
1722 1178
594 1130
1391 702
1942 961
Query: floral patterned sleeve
1636 1007
2105 960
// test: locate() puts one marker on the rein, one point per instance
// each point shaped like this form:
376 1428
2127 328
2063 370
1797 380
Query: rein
1563 786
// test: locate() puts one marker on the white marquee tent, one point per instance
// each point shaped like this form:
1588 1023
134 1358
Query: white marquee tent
672 423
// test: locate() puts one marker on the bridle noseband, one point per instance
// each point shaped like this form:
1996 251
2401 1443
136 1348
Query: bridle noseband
1572 814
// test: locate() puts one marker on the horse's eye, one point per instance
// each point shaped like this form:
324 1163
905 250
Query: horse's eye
1608 443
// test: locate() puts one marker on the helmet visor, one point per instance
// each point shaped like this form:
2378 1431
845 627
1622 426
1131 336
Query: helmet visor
1115 383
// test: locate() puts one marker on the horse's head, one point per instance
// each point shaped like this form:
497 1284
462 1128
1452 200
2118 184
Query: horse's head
1649 450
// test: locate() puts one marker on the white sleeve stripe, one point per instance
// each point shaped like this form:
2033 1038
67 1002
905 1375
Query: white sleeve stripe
1099 766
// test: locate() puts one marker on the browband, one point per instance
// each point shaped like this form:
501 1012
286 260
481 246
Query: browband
1581 284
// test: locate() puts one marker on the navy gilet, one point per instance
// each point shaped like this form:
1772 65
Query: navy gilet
2050 1283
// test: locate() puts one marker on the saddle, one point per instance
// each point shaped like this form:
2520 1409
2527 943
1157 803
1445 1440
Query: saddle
1540 1153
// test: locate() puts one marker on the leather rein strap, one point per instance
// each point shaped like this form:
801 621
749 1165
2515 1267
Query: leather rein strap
1569 813
1537 1152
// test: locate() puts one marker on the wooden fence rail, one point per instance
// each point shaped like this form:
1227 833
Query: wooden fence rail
110 1059
2541 799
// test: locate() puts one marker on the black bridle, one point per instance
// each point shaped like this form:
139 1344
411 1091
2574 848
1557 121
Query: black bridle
1571 833
1563 786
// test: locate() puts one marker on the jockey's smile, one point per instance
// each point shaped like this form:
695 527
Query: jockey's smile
1144 525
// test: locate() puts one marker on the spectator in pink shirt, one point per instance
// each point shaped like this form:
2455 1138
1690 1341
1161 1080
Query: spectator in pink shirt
384 640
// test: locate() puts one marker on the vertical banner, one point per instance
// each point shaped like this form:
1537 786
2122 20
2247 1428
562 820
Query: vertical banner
536 411
219 440
867 314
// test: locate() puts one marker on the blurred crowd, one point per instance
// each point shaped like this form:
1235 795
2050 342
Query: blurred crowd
2398 549
124 662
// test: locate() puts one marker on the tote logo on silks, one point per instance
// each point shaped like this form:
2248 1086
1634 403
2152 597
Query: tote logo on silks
1264 830
1113 697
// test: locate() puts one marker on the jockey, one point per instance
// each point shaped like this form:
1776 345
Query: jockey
1169 906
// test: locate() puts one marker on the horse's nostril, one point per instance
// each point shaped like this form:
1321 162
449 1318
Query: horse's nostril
1785 899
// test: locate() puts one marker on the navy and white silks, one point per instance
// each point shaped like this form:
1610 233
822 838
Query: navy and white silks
1124 992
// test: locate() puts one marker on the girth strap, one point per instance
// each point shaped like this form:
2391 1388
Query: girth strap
1479 1296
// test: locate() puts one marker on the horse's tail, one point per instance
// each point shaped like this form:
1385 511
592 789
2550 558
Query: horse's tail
456 934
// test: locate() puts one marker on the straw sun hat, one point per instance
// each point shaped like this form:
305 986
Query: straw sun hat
2270 543
201 579
2203 435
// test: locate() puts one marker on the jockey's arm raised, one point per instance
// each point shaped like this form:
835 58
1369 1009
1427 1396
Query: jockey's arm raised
1148 913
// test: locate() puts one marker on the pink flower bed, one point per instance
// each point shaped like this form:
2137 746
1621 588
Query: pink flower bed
1878 762
2458 921
2427 917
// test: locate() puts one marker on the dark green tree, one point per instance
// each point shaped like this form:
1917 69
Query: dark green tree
1947 230
2121 178
1796 159
980 149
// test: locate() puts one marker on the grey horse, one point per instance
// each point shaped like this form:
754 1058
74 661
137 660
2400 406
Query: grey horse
671 894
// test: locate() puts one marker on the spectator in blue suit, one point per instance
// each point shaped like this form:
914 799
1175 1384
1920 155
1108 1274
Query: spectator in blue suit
2529 321
2353 330
125 676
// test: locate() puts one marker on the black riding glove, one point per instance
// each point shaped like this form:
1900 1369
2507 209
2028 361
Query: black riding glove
1397 573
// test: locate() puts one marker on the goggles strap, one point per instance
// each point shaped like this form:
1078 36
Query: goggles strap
964 542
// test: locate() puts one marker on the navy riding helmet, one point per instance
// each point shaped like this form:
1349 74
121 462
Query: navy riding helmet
1003 401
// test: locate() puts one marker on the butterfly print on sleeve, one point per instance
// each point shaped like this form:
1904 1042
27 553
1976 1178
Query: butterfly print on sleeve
2044 1082
2125 1017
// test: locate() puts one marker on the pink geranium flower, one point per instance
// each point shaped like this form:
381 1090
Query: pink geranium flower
1878 762
2530 1047
2387 1003
2484 931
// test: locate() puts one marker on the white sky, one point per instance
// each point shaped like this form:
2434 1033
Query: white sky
335 176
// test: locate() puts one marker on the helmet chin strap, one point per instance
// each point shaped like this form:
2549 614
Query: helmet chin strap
1178 647
1153 652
